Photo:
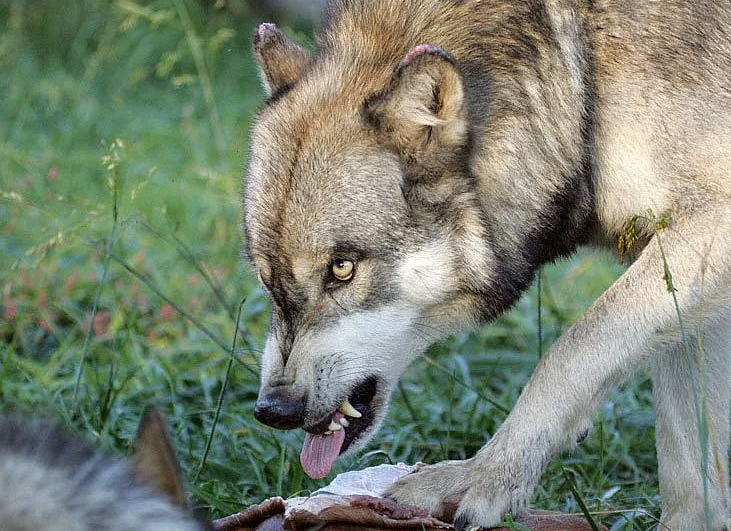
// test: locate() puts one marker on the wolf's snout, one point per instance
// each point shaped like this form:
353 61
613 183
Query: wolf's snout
281 409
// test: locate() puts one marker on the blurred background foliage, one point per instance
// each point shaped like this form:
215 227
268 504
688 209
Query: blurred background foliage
123 139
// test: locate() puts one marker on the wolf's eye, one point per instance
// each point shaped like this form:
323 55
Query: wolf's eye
342 269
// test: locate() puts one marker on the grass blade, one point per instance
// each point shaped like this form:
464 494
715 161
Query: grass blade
111 161
147 282
579 499
219 403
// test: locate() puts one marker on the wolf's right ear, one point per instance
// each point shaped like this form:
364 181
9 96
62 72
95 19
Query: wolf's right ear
281 62
423 105
155 461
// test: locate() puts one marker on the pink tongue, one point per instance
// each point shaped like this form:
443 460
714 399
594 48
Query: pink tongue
319 452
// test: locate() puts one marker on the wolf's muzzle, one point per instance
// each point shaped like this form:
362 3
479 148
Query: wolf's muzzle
280 408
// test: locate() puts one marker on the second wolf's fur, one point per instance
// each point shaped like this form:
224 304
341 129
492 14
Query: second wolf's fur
52 481
409 178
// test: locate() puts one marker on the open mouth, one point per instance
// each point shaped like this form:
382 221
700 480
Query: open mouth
332 436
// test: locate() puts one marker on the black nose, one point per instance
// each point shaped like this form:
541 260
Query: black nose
279 409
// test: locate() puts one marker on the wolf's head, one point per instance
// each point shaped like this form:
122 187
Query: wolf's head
363 226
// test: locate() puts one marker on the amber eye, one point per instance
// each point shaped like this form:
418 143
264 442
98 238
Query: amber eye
342 269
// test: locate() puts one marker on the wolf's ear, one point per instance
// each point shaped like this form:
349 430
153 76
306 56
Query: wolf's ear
155 461
423 102
280 61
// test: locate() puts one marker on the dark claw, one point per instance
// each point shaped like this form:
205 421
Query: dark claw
461 523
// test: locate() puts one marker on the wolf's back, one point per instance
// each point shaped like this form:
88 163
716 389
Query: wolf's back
52 481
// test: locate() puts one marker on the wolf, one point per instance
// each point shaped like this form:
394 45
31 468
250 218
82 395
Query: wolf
52 481
408 177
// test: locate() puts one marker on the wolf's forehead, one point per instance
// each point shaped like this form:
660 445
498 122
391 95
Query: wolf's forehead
296 159
314 195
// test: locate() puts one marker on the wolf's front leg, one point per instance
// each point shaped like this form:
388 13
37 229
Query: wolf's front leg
554 410
501 477
632 319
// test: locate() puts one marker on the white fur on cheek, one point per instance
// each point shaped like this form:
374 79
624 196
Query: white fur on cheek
378 342
427 275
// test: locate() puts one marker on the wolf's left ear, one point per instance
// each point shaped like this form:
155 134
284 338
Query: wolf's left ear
281 62
423 103
155 461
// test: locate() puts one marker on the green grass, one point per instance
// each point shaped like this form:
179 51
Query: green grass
174 81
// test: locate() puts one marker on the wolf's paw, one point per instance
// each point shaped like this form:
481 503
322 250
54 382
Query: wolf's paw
437 488
472 492
486 503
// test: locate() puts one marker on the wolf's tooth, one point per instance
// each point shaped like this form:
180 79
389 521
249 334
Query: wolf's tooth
334 426
344 422
328 433
346 408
